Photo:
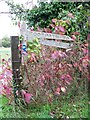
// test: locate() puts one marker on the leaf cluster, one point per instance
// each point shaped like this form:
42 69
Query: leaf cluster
6 42
34 46
42 15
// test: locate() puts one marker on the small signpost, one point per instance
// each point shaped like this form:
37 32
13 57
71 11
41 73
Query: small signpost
49 39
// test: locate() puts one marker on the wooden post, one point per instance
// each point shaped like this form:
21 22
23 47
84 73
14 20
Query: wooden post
16 61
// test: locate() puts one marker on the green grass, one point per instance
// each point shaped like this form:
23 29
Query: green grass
33 111
4 53
72 108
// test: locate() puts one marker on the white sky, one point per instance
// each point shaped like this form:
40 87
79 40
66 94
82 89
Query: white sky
6 26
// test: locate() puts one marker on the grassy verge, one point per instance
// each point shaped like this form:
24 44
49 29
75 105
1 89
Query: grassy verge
72 108
5 53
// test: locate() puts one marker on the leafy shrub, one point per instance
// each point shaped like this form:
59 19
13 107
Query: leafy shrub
6 42
50 73
42 15
6 86
0 43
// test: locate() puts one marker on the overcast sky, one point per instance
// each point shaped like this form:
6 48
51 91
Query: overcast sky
6 26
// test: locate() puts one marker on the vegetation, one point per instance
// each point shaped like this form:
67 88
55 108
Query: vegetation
54 81
0 43
4 53
6 42
64 109
41 16
69 100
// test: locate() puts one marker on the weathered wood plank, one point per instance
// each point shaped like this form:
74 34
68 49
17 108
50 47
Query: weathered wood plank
32 34
56 44
46 38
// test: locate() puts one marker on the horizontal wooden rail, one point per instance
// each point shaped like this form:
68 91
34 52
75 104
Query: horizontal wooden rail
56 44
33 34
48 39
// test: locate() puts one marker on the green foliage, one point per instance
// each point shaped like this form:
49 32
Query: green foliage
41 16
6 42
17 9
72 104
66 108
34 46
0 43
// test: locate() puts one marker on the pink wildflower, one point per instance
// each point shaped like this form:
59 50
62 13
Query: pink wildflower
23 93
61 28
85 51
55 54
57 92
75 33
7 89
54 20
28 97
66 78
73 37
70 15
39 30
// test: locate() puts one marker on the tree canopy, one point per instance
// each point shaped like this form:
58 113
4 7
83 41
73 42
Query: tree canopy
43 14
6 41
